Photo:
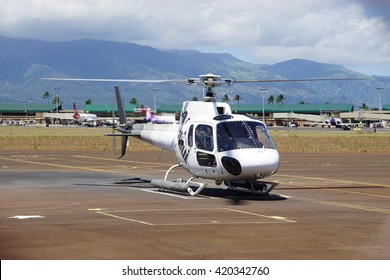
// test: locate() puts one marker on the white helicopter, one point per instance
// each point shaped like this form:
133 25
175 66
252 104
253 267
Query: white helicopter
210 143
208 140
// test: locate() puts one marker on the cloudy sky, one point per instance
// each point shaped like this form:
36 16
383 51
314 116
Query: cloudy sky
352 33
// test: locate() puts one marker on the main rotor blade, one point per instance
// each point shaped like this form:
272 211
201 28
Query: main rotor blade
302 80
115 80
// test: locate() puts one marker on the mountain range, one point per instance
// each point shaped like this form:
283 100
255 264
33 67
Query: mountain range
24 61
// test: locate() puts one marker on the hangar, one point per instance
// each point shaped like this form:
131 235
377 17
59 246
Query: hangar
274 108
26 111
272 112
105 110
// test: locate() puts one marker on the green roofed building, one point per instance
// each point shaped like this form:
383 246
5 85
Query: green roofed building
274 108
386 107
105 110
27 109
296 108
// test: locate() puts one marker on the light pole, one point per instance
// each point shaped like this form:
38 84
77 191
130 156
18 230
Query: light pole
263 91
155 90
25 110
56 89
380 89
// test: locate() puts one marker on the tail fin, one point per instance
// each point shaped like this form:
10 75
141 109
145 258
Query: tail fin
122 118
121 109
148 115
76 114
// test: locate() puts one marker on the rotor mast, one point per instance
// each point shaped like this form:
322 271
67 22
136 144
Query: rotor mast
209 82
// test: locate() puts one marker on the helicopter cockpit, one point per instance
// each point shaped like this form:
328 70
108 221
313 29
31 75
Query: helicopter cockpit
240 134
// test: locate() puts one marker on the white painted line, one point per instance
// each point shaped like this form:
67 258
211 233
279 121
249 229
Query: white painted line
182 196
21 217
126 219
271 219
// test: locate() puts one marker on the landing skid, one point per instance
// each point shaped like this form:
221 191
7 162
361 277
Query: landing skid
182 186
258 187
179 185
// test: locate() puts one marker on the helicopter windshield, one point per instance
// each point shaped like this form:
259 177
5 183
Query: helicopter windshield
234 135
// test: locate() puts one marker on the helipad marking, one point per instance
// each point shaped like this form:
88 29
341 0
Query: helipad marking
345 205
264 216
334 180
22 217
63 165
274 219
334 189
122 161
127 219
182 196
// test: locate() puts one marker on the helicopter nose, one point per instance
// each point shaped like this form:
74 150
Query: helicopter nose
251 164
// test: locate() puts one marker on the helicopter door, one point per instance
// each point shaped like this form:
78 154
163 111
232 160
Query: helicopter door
205 145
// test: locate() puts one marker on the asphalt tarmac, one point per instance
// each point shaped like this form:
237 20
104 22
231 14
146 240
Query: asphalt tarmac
57 205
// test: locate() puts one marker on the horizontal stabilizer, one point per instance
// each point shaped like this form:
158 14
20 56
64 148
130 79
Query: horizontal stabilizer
118 135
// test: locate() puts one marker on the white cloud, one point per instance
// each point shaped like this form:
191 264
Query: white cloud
353 33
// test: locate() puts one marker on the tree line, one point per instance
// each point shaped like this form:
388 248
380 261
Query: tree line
56 99
237 98
271 99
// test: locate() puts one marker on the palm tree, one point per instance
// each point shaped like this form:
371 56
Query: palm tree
88 101
280 99
195 98
226 98
364 107
237 98
56 100
134 101
271 100
46 95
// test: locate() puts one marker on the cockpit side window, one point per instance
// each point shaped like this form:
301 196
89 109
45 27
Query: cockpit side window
190 136
204 137
264 137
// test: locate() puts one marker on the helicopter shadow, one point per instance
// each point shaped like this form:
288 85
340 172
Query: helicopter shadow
238 197
135 182
232 195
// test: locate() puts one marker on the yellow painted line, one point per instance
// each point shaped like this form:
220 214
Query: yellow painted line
284 219
333 180
215 223
123 161
62 165
334 189
85 168
343 205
